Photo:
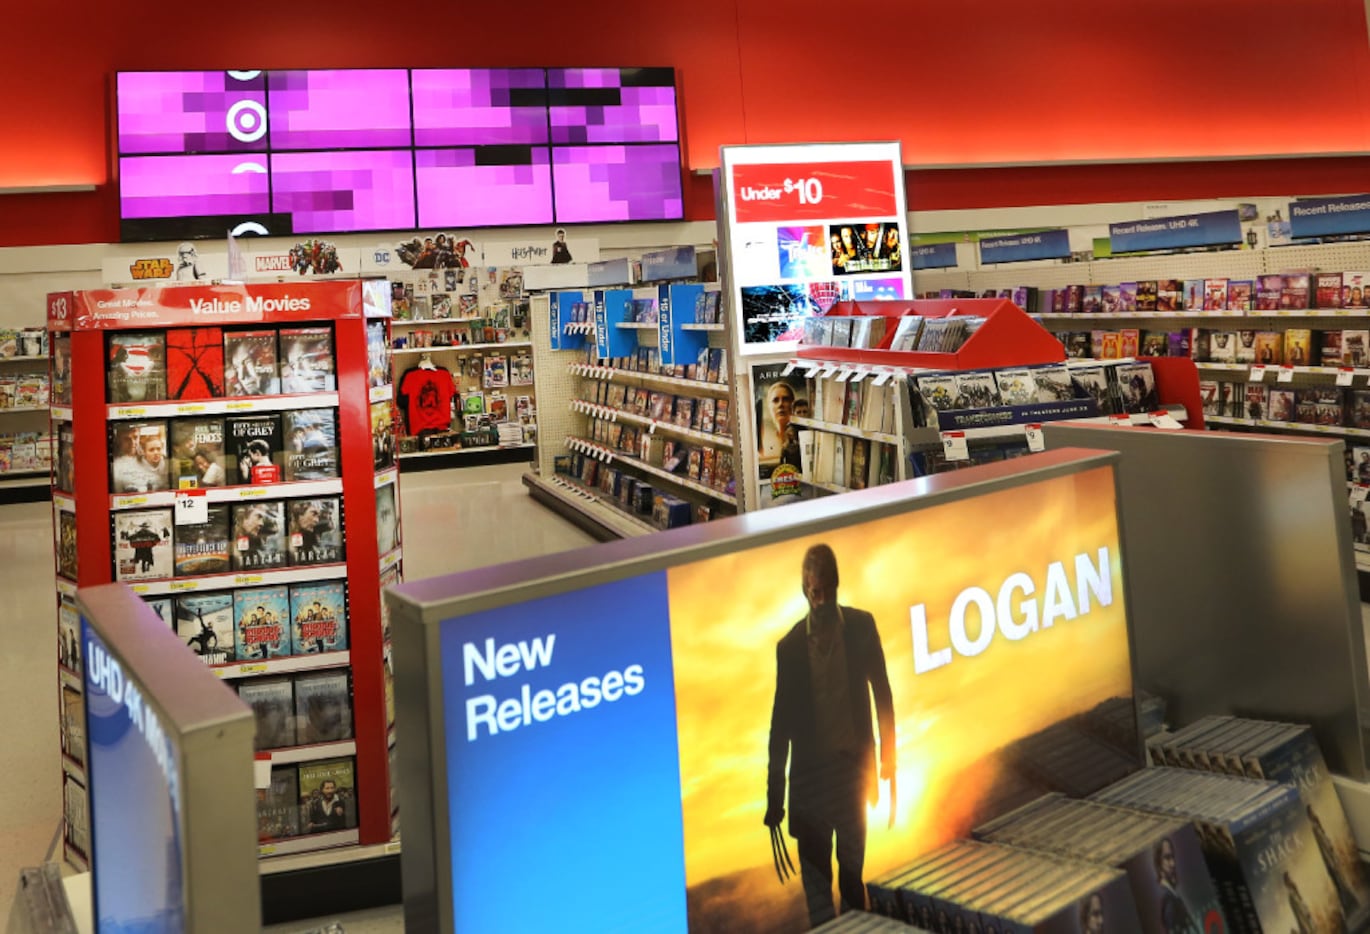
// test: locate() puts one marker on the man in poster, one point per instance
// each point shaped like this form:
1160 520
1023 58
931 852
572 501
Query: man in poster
828 666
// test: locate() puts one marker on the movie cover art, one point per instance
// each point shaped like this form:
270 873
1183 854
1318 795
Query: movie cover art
202 547
775 400
307 360
1138 386
323 706
1091 382
377 354
195 363
142 545
138 457
803 255
73 731
197 453
862 247
272 703
311 444
278 805
67 554
136 367
259 536
261 623
60 374
387 518
250 363
754 752
69 636
382 435
775 313
315 533
328 800
205 622
257 448
165 608
318 614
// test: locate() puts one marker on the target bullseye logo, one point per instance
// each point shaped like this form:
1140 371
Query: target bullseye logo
246 121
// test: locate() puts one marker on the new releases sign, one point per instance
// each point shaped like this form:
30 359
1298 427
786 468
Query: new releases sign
672 709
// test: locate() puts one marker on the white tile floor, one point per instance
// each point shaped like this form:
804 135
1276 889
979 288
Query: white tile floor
452 520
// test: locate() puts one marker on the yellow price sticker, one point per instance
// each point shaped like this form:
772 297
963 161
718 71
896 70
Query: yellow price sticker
243 579
183 585
252 669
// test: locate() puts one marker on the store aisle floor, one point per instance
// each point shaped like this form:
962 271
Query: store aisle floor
452 520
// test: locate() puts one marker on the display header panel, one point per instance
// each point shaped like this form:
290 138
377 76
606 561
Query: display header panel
293 152
616 727
169 764
806 226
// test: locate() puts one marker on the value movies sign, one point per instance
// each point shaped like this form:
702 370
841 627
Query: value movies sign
666 715
807 226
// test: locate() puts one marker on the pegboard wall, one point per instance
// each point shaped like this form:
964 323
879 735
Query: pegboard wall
1230 264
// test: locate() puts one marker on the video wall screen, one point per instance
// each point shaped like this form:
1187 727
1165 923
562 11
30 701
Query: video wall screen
332 151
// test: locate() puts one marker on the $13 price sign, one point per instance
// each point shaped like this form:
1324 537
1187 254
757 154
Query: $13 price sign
814 191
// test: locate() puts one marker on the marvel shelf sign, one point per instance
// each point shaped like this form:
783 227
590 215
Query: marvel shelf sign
805 226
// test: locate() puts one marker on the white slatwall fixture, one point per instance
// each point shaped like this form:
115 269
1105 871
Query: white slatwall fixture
555 389
1231 264
1328 257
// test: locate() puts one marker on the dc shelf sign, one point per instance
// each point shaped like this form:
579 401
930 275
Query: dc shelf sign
619 730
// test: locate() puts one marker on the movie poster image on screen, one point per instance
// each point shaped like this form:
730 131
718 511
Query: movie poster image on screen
803 253
387 519
250 367
67 554
202 547
307 360
195 363
138 457
255 443
135 367
278 805
776 313
318 614
272 703
311 444
323 706
258 536
142 545
865 246
197 453
204 621
328 795
315 533
382 435
261 623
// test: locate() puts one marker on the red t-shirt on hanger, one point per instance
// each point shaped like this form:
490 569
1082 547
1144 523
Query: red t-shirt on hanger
426 399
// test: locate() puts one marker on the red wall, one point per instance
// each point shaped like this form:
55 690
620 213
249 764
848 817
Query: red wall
989 82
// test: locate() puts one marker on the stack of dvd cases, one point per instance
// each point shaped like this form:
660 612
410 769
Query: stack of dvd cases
1287 753
1162 856
1257 840
971 886
861 922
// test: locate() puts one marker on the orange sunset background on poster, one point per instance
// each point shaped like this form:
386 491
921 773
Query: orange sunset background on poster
952 723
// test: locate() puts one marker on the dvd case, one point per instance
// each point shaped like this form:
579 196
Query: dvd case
259 536
323 706
138 457
318 614
310 438
197 452
205 622
307 360
136 367
250 363
272 707
195 363
142 544
328 795
202 547
315 531
261 617
256 446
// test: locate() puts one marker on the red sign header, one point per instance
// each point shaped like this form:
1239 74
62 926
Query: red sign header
810 191
60 305
154 306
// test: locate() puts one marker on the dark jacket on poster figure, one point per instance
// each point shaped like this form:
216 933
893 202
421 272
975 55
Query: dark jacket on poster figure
793 727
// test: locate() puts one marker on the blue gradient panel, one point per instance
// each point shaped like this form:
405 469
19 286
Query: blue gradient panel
136 860
544 812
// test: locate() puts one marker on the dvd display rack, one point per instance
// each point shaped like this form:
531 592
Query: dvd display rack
25 444
249 494
646 439
463 364
884 412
